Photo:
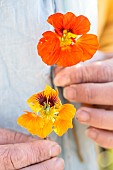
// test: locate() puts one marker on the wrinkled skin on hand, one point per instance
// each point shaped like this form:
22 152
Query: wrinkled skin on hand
20 151
91 84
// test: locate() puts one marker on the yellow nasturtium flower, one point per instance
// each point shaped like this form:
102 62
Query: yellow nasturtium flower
48 114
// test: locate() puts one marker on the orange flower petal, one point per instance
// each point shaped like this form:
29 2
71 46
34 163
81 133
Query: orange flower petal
35 125
89 44
30 121
69 56
56 20
48 34
62 47
67 112
61 126
48 48
64 120
81 26
69 21
78 25
44 131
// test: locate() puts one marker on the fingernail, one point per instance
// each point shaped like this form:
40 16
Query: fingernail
82 116
91 133
59 163
69 93
61 81
55 150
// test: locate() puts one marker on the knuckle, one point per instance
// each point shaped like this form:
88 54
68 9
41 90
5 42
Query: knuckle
22 138
17 156
106 73
85 74
39 152
82 75
5 158
20 156
90 93
18 137
15 136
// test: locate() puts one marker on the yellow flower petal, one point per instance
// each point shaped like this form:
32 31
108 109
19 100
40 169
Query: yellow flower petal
48 91
29 121
61 126
35 124
67 112
33 102
64 120
45 130
48 113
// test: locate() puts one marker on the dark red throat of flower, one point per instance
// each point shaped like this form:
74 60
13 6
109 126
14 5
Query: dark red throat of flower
51 100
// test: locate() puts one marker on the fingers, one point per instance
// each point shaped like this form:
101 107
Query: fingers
10 137
52 164
24 154
101 71
90 93
101 137
101 122
98 118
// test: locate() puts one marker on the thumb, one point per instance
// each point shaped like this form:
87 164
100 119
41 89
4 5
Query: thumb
101 71
18 156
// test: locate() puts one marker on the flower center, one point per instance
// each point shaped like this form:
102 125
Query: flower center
51 100
48 112
47 103
46 108
67 38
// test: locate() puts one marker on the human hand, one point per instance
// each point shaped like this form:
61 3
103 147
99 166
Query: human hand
19 151
12 137
91 84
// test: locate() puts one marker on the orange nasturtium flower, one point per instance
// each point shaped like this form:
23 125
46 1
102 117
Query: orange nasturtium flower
68 44
48 114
